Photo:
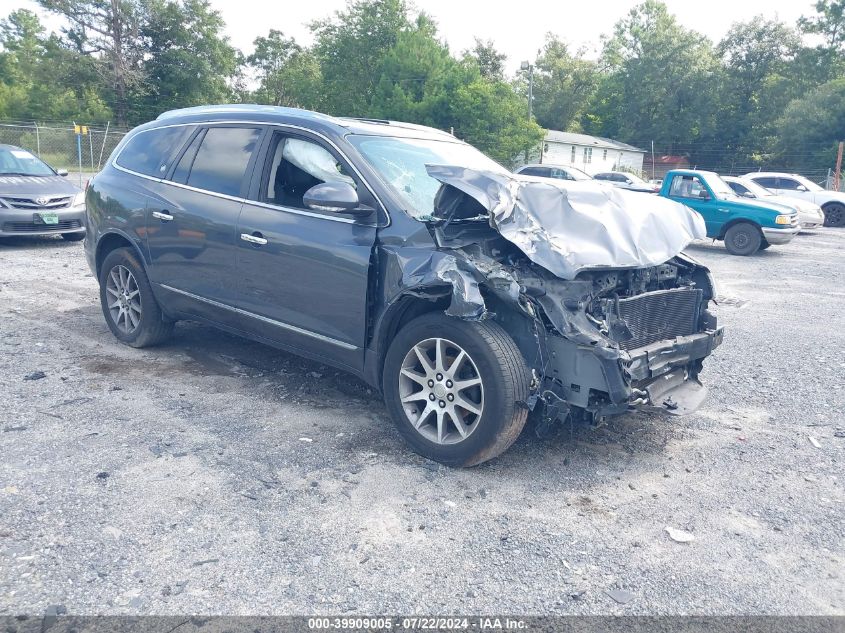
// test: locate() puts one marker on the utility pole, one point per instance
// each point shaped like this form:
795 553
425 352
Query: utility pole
652 160
530 68
838 170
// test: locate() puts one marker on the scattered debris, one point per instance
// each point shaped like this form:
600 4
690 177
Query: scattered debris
199 563
305 439
36 375
9 429
314 374
679 536
621 596
814 441
103 475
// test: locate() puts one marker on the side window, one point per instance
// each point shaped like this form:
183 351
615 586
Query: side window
149 152
768 183
222 159
296 165
602 177
560 174
788 183
535 171
687 187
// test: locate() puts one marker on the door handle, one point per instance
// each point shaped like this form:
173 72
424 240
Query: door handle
254 239
164 217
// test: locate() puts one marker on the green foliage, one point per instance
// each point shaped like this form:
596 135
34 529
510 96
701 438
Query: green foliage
812 125
563 85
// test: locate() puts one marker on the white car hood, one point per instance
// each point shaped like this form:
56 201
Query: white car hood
578 226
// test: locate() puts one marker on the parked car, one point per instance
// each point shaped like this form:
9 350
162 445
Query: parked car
745 226
372 246
558 172
631 182
795 186
810 215
656 181
36 199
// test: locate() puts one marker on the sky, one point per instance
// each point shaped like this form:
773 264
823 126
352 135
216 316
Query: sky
517 28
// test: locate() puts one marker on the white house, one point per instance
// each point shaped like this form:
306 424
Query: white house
592 154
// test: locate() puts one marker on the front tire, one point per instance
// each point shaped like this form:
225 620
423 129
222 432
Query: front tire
456 389
743 239
834 214
131 311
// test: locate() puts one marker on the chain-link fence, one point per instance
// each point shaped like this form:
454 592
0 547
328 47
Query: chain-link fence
56 144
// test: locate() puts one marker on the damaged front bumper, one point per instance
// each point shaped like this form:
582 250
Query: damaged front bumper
663 375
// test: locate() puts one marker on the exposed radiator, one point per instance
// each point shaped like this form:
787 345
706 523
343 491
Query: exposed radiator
664 314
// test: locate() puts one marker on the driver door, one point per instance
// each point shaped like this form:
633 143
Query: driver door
691 191
304 274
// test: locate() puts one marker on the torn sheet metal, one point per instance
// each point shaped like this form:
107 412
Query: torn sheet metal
421 270
567 228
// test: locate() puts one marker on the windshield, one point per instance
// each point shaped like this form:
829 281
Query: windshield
19 162
720 188
577 174
811 186
401 164
759 191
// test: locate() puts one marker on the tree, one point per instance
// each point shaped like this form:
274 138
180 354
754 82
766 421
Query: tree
660 83
811 127
757 83
109 31
40 78
187 59
289 75
563 85
827 60
491 63
351 48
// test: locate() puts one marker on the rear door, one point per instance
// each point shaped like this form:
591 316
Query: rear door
303 273
192 221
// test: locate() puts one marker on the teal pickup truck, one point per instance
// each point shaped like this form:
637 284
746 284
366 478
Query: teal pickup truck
745 226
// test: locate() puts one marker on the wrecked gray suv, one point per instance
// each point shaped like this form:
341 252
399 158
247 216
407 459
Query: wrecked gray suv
467 295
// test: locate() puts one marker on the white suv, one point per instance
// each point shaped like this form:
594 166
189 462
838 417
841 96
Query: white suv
795 186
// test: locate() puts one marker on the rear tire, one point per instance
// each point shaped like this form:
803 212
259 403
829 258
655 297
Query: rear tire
743 239
834 214
131 311
428 410
73 237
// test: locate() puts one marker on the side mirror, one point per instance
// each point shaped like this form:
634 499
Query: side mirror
703 195
748 194
800 188
337 197
61 172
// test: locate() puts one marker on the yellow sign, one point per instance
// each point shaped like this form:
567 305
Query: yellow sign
80 129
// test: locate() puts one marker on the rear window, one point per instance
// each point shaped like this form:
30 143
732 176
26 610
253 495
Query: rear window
150 152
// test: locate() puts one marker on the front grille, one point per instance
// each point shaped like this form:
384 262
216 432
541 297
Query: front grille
54 202
664 314
40 227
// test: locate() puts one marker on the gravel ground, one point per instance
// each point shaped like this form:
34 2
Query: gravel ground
215 475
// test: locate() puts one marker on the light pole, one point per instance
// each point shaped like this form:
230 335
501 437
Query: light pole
530 68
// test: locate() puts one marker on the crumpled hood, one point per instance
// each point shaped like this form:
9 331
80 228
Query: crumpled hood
36 186
578 226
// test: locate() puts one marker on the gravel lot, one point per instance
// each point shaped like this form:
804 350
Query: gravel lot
215 475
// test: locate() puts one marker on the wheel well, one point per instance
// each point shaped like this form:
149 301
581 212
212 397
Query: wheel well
832 203
107 244
738 221
406 310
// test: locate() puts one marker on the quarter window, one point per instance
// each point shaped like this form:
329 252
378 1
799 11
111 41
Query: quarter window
150 152
222 159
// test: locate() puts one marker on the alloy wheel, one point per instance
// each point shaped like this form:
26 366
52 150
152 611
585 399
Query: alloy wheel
124 299
441 391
